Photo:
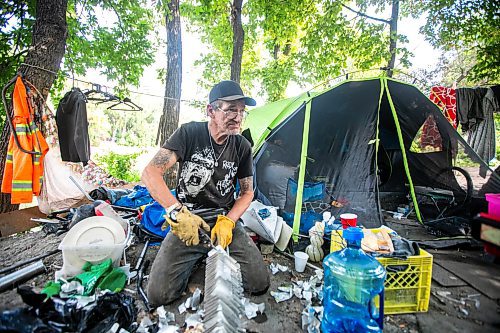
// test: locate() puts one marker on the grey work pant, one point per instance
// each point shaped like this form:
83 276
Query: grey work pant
175 262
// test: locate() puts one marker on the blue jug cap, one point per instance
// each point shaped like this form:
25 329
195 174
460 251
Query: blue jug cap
353 234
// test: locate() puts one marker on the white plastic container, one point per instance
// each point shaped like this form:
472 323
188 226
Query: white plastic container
93 240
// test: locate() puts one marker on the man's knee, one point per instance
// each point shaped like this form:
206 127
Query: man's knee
255 277
162 296
257 284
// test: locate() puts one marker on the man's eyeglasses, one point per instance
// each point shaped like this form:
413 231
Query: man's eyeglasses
232 113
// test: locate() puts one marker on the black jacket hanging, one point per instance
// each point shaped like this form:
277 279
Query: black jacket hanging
72 124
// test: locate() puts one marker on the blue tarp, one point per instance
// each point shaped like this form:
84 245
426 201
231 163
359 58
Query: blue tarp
139 197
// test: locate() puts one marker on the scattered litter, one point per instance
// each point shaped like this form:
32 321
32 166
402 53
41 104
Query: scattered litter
311 318
187 302
287 288
464 311
169 329
283 294
130 291
182 308
297 291
71 288
275 268
304 290
83 301
307 295
116 329
194 320
443 293
397 216
197 329
192 302
446 295
251 309
146 323
195 301
475 299
164 316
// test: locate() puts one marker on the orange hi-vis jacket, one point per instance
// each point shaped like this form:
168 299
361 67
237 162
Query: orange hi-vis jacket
23 175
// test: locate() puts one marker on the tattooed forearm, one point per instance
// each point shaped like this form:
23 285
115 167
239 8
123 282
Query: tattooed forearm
163 159
246 184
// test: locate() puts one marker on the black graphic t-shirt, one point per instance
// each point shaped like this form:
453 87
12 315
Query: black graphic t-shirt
208 171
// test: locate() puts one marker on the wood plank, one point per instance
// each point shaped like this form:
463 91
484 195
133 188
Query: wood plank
445 277
18 221
481 276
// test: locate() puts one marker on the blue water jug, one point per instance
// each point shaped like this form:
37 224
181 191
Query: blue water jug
353 279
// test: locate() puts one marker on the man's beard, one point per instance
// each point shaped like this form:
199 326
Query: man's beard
234 131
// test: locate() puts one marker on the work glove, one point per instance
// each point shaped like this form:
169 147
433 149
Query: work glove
186 226
223 231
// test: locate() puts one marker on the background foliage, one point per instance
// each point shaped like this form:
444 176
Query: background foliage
119 165
114 37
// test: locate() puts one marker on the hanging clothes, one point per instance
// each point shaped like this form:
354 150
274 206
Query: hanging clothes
445 98
23 175
482 136
475 108
58 191
470 107
72 124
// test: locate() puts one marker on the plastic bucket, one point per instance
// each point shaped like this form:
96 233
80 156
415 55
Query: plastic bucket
493 204
93 240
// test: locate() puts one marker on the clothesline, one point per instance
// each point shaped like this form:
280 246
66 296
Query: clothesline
191 101
104 86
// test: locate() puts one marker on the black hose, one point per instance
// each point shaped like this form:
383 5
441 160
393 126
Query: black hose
27 261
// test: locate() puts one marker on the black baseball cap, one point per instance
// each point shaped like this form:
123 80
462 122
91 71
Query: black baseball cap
229 91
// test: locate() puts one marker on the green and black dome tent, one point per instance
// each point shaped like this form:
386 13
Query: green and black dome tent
367 144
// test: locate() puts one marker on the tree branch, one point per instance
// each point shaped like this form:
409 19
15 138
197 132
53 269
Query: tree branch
463 74
120 24
365 15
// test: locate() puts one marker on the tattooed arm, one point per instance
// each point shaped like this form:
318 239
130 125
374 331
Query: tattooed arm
243 201
152 177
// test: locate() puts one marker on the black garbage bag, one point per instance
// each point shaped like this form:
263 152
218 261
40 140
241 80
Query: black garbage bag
100 193
112 195
83 212
22 320
59 315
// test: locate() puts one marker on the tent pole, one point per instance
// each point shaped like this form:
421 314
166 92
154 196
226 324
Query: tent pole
377 143
302 172
403 151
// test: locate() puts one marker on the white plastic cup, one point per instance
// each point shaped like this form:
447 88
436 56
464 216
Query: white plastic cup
300 261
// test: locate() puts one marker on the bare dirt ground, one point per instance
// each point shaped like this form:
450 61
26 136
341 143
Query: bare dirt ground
443 315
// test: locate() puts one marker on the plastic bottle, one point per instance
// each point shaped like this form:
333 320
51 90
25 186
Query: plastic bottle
352 281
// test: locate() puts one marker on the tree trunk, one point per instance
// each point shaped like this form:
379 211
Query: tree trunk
170 118
46 51
393 34
238 40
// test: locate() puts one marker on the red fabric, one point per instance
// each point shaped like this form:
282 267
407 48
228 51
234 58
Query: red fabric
445 99
430 135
